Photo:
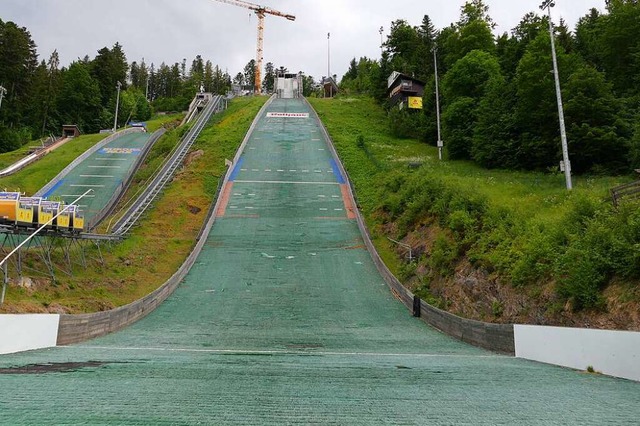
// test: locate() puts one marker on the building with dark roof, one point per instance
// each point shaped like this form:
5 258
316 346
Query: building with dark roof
405 91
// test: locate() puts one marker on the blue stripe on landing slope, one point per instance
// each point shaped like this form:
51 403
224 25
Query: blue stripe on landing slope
236 170
336 171
53 188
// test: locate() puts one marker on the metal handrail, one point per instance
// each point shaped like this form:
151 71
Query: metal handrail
146 198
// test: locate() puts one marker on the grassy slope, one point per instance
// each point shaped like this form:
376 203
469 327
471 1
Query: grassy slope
525 204
35 176
155 249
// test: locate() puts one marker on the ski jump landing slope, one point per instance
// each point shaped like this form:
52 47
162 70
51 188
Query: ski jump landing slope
284 319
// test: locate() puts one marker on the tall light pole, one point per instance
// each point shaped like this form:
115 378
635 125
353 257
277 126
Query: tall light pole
115 121
548 4
3 92
435 66
329 54
381 31
329 64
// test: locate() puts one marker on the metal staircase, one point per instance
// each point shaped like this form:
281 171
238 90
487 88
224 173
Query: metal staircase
167 172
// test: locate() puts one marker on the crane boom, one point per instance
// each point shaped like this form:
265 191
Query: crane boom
260 12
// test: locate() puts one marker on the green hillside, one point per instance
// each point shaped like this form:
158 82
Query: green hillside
496 245
157 247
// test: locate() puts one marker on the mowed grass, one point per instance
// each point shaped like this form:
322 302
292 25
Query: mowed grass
35 176
162 241
38 174
533 194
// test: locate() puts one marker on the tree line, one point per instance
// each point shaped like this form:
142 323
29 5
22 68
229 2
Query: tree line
498 95
43 95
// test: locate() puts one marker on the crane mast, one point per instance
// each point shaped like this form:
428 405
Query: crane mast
260 12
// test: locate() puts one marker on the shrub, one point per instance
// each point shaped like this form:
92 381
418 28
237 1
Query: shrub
443 255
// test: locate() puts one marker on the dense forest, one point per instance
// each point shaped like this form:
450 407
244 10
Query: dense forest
41 95
498 96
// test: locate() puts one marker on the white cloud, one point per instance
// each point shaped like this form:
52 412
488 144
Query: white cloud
168 30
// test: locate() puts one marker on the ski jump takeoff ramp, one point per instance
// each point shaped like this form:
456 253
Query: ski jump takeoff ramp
284 319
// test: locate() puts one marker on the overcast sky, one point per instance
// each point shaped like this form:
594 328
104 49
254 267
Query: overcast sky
169 30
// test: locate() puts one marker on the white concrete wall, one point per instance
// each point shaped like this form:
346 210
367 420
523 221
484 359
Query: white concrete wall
285 87
26 332
615 353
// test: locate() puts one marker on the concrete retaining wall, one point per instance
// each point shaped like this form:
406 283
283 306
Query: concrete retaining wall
27 332
77 328
615 353
494 337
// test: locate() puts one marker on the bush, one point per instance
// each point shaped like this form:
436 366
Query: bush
443 255
12 139
407 123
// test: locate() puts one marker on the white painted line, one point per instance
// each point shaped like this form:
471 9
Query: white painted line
329 171
233 207
337 210
322 196
320 149
335 196
293 170
252 147
252 195
324 210
105 167
249 208
87 186
280 170
286 182
237 195
317 171
315 140
255 170
305 171
243 170
96 176
267 170
304 352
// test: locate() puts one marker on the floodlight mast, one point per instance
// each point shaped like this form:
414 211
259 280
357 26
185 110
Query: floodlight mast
548 4
434 49
260 12
115 120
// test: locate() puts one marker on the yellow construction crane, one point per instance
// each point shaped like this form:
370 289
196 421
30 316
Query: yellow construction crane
260 11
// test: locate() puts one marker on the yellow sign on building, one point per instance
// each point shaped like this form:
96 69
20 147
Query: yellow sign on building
415 102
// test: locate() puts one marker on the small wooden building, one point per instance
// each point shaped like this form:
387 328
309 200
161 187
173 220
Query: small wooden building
405 91
330 87
70 131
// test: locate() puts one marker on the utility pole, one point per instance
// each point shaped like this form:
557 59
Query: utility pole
329 64
3 92
548 4
115 121
435 66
